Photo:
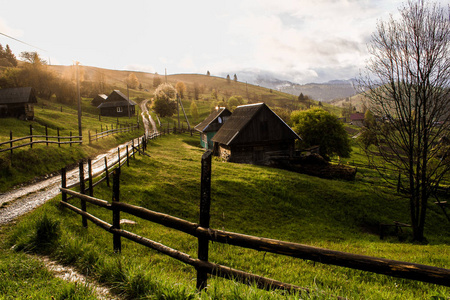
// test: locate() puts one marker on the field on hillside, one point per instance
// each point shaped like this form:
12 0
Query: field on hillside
248 199
27 163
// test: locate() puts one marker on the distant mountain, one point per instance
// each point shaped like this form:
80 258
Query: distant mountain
331 90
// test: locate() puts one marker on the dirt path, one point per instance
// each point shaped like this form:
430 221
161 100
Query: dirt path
19 201
147 119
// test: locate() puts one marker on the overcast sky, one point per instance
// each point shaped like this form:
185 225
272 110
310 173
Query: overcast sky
299 40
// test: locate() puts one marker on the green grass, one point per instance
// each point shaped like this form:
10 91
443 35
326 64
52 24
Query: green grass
28 163
248 199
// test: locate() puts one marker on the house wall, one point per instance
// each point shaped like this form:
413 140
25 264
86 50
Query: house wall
17 110
261 153
112 111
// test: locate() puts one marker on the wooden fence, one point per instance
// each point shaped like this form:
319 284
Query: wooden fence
205 234
44 139
120 128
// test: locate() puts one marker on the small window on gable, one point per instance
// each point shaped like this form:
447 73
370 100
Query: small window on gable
119 109
219 119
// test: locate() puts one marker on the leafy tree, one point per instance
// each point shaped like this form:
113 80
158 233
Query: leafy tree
228 78
156 81
165 104
207 73
233 102
132 81
408 79
319 127
194 110
214 94
181 89
196 91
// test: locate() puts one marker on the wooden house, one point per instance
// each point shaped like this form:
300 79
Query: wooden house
209 127
357 119
255 134
117 105
99 99
17 103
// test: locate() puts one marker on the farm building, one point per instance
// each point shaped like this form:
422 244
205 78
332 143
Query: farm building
17 103
117 105
357 119
209 127
255 134
99 99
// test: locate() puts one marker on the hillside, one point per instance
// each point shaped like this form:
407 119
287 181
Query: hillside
247 199
211 89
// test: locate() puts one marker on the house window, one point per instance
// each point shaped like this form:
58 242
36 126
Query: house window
220 120
119 109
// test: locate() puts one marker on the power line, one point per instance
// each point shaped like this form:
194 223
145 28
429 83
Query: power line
22 41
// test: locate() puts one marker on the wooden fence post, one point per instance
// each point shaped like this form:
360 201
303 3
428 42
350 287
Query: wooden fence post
46 134
106 171
11 143
31 136
63 184
82 191
70 139
128 158
118 156
91 188
132 144
205 204
57 130
116 211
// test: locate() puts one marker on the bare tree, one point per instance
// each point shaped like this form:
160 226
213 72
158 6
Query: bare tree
408 80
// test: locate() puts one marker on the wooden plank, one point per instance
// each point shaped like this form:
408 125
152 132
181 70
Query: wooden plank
95 201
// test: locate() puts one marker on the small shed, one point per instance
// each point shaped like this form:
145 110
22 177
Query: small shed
99 99
209 127
17 103
357 119
117 105
255 134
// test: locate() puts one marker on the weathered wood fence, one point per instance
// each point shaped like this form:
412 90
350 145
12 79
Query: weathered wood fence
205 234
33 139
120 128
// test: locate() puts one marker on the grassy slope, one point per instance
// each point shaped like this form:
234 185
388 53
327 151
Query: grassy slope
28 163
253 200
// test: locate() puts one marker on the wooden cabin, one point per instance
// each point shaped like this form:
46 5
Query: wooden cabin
254 134
117 105
357 119
17 103
209 127
99 99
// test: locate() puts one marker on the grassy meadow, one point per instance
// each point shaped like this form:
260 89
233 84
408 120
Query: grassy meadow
248 199
28 163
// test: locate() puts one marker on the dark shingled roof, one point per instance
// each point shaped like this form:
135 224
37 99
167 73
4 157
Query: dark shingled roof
240 118
116 98
203 126
17 95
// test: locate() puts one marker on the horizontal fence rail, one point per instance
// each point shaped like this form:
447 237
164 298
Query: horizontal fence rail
57 139
419 272
120 128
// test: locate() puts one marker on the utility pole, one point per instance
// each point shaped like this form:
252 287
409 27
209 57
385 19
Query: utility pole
80 131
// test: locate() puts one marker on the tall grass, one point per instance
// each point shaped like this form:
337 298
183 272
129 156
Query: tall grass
253 200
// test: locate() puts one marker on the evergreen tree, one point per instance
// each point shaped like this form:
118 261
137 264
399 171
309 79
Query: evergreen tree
235 78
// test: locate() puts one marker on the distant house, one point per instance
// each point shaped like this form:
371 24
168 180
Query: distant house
117 105
357 119
99 99
209 127
17 103
255 134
